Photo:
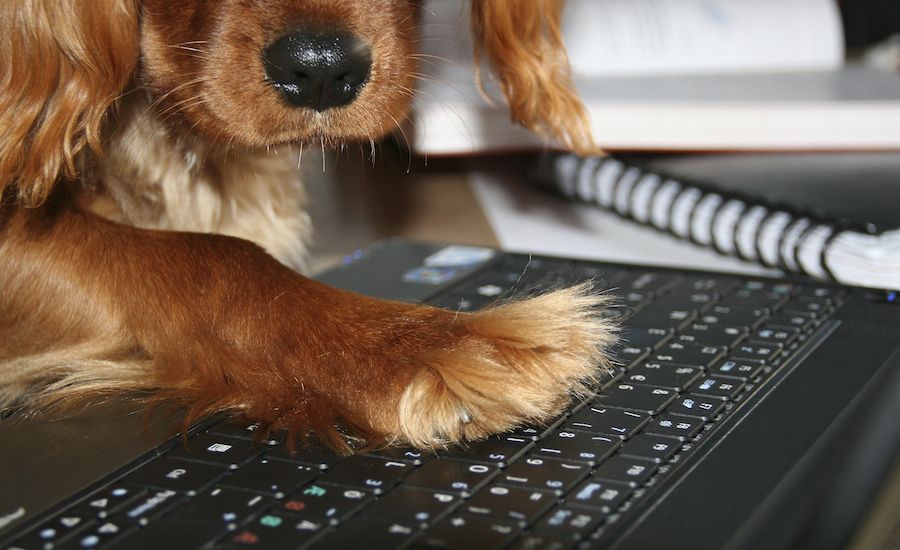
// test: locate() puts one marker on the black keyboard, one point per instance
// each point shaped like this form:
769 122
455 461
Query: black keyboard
695 349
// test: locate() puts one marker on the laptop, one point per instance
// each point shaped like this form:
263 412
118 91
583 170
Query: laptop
744 412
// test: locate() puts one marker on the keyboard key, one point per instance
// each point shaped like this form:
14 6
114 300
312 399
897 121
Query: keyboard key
646 399
368 532
650 281
651 447
54 530
653 316
323 501
628 356
606 420
631 471
818 307
769 334
646 337
403 454
243 431
746 298
217 449
694 301
718 387
544 473
744 369
705 283
515 504
713 335
685 353
369 473
414 506
757 350
682 427
500 450
833 294
697 407
801 321
666 375
749 317
535 432
541 542
149 507
98 535
178 475
309 452
455 476
468 532
171 532
578 446
273 477
222 506
103 502
273 531
601 494
570 522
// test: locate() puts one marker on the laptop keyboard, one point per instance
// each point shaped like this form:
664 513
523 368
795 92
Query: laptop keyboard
694 348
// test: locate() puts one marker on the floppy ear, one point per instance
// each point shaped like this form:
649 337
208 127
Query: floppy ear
522 41
63 63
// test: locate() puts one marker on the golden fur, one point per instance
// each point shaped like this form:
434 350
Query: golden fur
151 214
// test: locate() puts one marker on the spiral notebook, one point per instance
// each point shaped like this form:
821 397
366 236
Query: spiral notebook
830 216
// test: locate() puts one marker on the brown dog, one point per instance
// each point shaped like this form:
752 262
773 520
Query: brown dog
151 208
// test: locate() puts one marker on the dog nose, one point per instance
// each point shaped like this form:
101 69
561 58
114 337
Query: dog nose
318 71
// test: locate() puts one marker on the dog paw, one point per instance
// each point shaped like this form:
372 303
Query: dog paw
520 362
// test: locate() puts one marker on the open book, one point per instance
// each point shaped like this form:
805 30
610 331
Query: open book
674 75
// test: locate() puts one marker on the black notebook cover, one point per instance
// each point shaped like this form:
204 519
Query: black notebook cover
860 190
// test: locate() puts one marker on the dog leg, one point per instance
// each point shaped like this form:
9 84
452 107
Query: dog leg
215 324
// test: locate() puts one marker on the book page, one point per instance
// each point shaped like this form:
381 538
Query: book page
663 37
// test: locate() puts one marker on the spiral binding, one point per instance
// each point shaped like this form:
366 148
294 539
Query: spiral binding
732 224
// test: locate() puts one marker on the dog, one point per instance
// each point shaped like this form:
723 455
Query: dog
152 221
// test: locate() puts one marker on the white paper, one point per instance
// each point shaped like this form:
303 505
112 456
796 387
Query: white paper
527 220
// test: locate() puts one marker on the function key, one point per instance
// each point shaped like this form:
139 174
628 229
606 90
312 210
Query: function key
604 495
755 299
770 334
757 350
650 281
652 447
630 471
718 387
570 522
743 369
833 294
817 307
778 287
703 408
681 427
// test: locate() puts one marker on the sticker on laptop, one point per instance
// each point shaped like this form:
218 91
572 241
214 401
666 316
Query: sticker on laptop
429 275
459 256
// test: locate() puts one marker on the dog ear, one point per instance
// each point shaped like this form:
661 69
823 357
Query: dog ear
522 41
63 63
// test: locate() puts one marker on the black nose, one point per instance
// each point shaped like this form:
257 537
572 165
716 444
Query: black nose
318 71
